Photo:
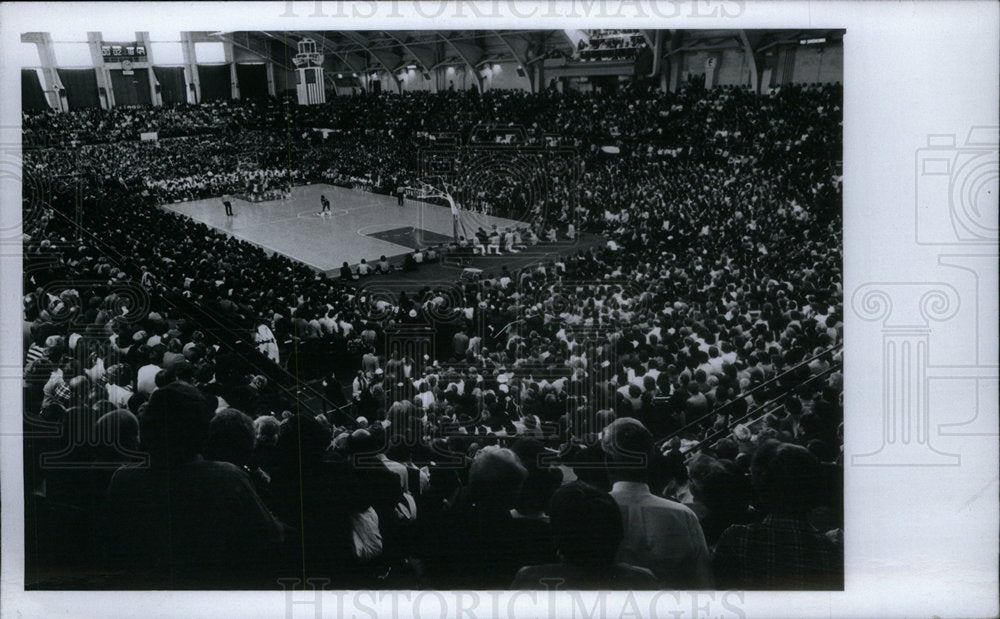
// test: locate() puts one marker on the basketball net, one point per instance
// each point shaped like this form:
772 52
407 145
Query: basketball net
426 190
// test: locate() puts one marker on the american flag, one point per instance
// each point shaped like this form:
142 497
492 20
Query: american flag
310 86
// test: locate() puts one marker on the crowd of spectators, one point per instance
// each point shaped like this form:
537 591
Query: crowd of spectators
127 123
680 383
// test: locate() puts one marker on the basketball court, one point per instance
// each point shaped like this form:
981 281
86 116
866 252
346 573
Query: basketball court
361 225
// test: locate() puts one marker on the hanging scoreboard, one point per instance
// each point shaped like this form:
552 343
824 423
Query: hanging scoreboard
118 52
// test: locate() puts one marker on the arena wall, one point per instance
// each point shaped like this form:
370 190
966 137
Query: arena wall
413 81
734 69
781 63
503 76
818 63
803 64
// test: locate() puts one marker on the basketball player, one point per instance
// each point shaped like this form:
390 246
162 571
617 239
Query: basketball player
229 207
326 205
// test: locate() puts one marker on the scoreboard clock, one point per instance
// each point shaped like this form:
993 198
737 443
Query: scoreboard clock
121 52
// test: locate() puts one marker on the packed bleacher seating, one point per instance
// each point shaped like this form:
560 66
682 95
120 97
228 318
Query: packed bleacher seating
704 335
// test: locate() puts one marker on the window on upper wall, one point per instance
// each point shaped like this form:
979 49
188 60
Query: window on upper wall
72 54
166 52
210 52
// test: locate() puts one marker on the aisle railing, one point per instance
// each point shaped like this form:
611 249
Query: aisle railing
762 387
758 413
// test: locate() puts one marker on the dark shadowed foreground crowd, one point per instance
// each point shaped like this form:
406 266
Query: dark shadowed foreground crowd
661 411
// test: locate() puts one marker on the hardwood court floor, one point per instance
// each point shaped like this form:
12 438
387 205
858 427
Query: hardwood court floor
362 225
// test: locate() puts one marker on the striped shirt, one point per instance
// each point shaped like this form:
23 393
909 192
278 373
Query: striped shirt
35 352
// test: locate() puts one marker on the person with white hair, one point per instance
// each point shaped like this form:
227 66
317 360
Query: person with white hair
266 343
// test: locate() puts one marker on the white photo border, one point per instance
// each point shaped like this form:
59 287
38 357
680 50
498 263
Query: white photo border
921 519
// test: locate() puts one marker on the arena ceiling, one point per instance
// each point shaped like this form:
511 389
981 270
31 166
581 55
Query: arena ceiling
394 50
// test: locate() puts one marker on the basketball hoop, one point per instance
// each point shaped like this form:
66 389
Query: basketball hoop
425 191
